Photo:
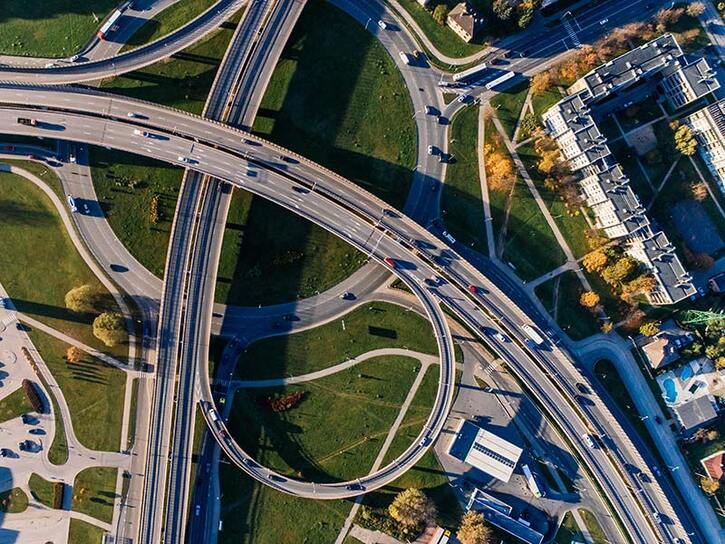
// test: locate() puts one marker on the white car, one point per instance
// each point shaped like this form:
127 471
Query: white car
462 98
431 150
447 236
603 22
132 114
382 24
187 160
143 133
589 441
501 337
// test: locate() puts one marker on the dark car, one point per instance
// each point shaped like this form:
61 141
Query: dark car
583 389
658 420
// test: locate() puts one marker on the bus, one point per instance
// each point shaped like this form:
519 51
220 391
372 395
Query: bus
471 72
500 79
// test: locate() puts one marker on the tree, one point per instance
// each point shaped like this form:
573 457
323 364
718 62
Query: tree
699 191
589 299
695 9
541 83
110 328
649 328
595 261
709 485
499 169
474 530
82 299
720 363
618 272
641 284
440 14
73 354
503 9
411 508
712 435
685 141
527 15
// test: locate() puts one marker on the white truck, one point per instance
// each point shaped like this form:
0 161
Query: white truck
406 58
534 338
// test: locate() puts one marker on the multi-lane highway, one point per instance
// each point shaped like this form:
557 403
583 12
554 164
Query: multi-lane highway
230 155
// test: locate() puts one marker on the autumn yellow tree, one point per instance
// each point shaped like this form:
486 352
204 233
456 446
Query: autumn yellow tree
474 530
649 328
499 169
73 354
589 299
411 508
541 82
595 261
710 485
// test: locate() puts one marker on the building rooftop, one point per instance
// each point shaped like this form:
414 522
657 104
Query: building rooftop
713 464
666 266
494 514
627 69
466 17
485 451
696 412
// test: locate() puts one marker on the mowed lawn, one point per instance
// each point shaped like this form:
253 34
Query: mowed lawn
427 475
324 437
94 492
93 390
462 204
41 263
508 105
343 104
165 22
50 28
81 532
370 326
126 184
270 255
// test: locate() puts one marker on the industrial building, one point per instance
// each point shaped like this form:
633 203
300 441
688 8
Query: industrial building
484 450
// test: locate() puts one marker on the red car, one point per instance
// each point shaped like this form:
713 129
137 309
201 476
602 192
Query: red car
473 289
389 261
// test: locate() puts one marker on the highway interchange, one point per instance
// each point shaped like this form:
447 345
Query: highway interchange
362 220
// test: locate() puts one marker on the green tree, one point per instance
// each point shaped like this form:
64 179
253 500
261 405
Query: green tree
82 300
474 530
110 328
440 14
526 17
411 508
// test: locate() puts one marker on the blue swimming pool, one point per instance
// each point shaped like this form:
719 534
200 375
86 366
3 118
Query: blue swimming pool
686 373
670 390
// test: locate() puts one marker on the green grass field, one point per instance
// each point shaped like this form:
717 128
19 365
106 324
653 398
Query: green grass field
127 208
14 405
270 255
508 105
542 102
427 474
42 490
81 532
51 28
595 530
93 391
337 430
165 22
568 530
370 326
38 283
573 318
182 82
13 501
530 244
342 103
94 491
571 223
462 204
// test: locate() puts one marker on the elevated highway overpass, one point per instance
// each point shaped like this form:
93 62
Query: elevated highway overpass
361 219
